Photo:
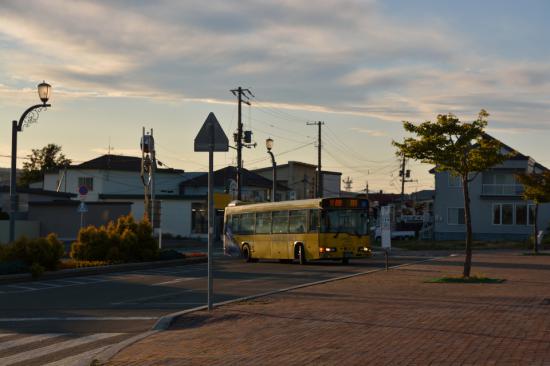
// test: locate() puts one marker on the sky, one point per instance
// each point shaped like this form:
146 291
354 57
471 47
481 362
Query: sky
361 67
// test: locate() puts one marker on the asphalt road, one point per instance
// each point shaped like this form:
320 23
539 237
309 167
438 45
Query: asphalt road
44 322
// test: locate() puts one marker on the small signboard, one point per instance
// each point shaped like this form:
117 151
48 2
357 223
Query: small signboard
385 226
211 136
82 207
82 191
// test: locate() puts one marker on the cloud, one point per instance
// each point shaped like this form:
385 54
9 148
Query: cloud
373 133
344 57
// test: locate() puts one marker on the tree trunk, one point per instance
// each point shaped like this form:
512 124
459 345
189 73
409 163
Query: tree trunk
536 228
468 221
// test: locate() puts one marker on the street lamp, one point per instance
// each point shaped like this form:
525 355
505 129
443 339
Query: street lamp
269 146
27 118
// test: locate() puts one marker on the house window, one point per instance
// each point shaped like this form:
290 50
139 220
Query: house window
455 181
521 214
513 214
87 182
455 216
507 214
199 218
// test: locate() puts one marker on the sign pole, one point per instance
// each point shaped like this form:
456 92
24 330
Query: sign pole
211 138
210 216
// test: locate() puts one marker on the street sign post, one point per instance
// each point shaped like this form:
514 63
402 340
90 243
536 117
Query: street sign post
209 139
82 209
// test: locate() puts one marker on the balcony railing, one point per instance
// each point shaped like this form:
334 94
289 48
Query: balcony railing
502 189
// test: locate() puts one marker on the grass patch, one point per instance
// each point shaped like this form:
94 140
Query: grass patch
73 263
461 279
457 245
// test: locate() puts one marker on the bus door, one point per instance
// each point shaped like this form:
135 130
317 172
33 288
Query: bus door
297 224
279 235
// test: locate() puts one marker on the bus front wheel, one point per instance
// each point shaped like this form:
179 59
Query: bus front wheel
247 254
301 254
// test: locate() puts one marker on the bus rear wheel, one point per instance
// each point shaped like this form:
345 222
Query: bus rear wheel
345 260
247 254
301 253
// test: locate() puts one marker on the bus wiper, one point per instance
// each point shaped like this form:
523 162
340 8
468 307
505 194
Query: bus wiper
338 231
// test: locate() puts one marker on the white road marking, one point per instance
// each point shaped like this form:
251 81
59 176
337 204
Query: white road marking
39 352
140 299
26 288
72 360
3 335
27 340
72 282
182 279
77 318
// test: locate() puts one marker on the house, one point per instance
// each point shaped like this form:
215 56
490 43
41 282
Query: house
498 210
117 178
301 180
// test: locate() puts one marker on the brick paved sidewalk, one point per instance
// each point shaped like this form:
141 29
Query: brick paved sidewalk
385 318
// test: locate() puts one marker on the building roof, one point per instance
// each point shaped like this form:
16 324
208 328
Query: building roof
120 163
222 176
517 155
38 192
292 162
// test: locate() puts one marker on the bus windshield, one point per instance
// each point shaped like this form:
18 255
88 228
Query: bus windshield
339 221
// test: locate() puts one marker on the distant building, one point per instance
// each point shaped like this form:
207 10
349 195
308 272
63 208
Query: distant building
301 180
182 195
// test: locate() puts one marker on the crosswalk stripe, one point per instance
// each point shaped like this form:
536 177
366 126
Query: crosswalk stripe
27 340
3 335
39 352
72 360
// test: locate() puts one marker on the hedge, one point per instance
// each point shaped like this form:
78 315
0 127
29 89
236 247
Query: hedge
123 240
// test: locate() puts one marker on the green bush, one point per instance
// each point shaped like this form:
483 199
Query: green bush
45 252
123 240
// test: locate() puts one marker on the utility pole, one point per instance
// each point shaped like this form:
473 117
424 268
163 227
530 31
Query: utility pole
319 175
347 184
405 174
240 93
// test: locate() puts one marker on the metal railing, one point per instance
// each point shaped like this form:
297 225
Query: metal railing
502 189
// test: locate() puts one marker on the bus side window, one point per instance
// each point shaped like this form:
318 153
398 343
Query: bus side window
247 223
263 223
236 224
280 222
297 221
313 220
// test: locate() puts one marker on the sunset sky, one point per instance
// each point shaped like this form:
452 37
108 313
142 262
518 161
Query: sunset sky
360 66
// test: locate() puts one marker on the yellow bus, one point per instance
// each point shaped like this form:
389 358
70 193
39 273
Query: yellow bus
311 229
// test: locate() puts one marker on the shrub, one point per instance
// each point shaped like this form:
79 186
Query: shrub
45 252
36 270
121 240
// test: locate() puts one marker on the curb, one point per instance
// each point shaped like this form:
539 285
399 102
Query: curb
88 271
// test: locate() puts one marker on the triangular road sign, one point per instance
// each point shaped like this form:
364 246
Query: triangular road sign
211 136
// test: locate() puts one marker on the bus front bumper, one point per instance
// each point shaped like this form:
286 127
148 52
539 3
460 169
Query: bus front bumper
341 253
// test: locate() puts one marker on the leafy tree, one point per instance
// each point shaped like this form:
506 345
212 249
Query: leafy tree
463 149
41 160
536 188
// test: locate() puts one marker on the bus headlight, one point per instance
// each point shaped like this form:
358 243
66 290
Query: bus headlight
328 250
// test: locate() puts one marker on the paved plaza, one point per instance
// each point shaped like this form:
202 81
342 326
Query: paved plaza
382 318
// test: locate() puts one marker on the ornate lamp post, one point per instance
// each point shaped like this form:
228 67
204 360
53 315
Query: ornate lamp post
27 118
269 146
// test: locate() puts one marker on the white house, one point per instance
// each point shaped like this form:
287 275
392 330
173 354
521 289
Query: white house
116 178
